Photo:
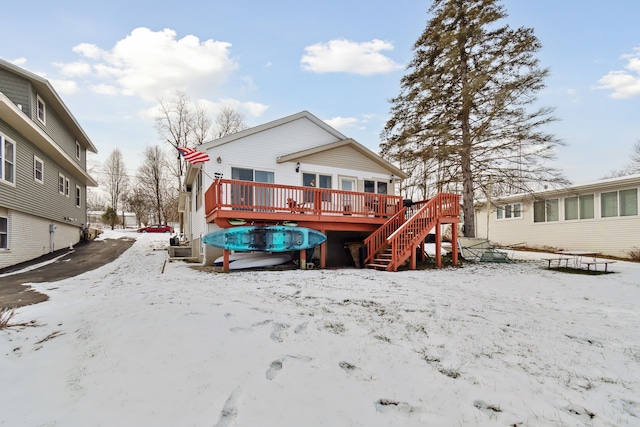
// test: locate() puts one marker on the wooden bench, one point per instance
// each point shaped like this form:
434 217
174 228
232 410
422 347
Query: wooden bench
595 264
558 259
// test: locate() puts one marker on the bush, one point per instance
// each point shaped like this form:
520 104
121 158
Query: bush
634 254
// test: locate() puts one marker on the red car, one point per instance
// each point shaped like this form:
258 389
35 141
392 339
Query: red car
158 228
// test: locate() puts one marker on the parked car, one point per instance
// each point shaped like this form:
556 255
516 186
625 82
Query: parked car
157 228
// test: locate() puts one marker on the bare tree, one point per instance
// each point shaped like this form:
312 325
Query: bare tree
153 177
632 167
138 201
117 180
228 121
182 123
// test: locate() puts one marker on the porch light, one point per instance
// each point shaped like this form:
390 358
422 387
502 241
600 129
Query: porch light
298 167
392 177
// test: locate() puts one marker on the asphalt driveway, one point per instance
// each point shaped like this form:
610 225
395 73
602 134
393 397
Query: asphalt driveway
15 290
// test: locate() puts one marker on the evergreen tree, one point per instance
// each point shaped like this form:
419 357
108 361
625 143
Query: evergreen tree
464 114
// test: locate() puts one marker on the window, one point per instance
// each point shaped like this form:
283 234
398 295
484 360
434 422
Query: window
619 203
578 207
513 210
316 180
78 150
78 196
629 202
609 204
244 194
61 179
66 186
546 211
199 190
7 160
41 110
4 232
38 170
586 204
379 187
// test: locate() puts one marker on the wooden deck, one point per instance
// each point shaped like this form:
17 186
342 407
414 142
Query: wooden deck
319 208
383 216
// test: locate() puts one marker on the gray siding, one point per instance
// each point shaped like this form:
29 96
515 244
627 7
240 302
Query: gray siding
17 89
38 199
56 129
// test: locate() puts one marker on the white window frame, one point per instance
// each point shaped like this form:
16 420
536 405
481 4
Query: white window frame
78 196
4 243
618 209
78 150
37 160
61 181
41 110
4 142
66 186
509 211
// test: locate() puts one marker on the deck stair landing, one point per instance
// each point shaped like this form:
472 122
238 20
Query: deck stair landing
397 240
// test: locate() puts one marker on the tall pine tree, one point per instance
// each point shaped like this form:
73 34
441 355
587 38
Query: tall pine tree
464 116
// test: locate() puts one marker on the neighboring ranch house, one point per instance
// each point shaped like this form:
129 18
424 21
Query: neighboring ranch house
601 216
43 174
299 169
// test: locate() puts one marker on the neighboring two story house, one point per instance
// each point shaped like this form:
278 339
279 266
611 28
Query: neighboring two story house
43 173
300 169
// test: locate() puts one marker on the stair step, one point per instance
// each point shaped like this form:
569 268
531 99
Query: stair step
377 266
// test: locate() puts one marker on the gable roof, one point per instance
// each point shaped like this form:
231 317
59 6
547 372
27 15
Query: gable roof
342 143
270 125
54 101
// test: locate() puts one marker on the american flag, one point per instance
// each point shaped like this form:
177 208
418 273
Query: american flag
193 156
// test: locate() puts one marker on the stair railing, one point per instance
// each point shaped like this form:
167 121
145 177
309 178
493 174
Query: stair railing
378 239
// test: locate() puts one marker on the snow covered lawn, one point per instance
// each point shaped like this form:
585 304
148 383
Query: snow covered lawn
483 345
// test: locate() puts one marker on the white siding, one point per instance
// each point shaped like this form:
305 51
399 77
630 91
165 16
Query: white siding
609 236
29 238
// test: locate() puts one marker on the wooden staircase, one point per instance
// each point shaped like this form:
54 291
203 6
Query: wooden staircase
398 239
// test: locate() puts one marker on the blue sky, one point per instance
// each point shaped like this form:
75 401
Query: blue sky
342 61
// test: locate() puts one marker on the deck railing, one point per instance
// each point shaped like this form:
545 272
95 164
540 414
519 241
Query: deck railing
236 195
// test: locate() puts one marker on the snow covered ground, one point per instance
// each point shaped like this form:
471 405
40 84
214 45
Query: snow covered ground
482 345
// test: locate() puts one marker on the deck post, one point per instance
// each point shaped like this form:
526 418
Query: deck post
323 254
225 260
454 243
303 259
438 244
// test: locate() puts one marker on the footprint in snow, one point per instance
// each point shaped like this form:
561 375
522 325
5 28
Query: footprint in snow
274 369
355 372
392 406
276 365
279 332
229 411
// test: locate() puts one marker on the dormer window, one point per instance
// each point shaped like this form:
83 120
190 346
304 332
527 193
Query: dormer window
41 110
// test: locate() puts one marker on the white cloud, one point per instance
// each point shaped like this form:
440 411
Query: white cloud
624 84
150 64
254 108
349 57
342 122
65 87
19 61
104 89
74 69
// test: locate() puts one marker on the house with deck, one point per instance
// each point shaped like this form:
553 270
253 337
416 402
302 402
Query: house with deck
601 216
43 173
299 169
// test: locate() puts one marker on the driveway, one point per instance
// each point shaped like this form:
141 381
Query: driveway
15 290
